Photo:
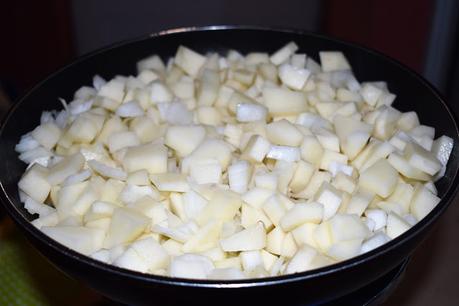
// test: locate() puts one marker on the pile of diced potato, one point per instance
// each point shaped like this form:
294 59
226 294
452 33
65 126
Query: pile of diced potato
230 167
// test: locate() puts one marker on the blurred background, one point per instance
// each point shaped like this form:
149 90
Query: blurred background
37 37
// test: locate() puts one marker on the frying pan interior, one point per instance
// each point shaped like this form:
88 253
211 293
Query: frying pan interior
413 93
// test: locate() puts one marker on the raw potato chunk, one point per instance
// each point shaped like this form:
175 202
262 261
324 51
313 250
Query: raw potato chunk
151 157
280 101
35 184
184 139
344 227
223 206
189 60
170 182
208 90
311 150
422 159
343 250
47 134
300 214
293 77
81 239
333 61
423 202
283 53
252 238
302 260
381 178
191 266
148 253
66 167
283 133
396 226
126 225
256 149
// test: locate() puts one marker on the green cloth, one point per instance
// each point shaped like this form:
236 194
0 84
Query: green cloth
27 278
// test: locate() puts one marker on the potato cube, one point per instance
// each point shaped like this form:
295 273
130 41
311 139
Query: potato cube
422 202
302 213
381 178
152 157
249 239
333 61
280 101
47 134
189 60
35 184
283 133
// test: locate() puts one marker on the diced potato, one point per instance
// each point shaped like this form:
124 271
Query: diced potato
191 266
396 226
422 159
239 175
170 182
345 227
359 202
252 238
280 101
293 77
213 149
274 209
35 183
208 90
127 224
47 134
81 239
322 236
311 150
381 178
66 167
151 157
283 53
222 206
113 89
422 202
283 133
333 61
403 167
256 149
206 171
330 198
189 60
343 250
300 214
204 239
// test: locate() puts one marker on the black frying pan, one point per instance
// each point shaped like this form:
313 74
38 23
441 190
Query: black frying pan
317 286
